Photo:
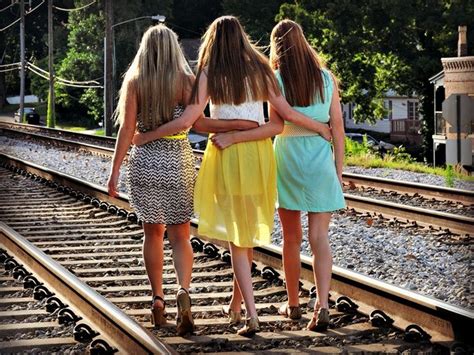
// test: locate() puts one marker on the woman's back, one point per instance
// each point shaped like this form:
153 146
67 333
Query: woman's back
318 110
181 99
250 110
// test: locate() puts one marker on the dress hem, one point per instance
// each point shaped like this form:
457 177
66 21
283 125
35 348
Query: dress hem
313 210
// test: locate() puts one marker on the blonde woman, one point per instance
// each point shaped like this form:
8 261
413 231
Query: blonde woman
161 174
236 187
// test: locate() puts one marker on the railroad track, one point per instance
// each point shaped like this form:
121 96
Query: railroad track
449 222
93 236
45 307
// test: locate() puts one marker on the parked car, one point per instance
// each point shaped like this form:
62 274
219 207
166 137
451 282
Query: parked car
371 141
32 117
198 140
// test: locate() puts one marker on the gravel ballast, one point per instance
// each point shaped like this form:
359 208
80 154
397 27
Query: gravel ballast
411 258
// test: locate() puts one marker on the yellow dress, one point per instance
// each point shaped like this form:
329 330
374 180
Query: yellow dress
235 191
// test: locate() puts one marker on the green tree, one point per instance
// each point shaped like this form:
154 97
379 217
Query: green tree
83 61
190 18
376 45
258 18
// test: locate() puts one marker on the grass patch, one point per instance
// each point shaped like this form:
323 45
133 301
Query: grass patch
71 128
361 154
100 132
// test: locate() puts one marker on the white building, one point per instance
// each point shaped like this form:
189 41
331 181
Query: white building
402 121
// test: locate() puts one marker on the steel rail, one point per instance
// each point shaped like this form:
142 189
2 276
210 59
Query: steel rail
449 322
438 192
112 324
422 216
430 191
455 223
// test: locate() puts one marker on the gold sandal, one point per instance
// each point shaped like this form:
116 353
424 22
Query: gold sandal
184 317
158 314
292 312
251 327
320 321
234 318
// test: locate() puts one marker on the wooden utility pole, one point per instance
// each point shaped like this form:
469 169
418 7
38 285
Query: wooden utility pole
108 67
51 116
22 60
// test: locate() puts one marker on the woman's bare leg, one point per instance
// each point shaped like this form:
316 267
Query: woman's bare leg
153 256
236 300
292 235
178 235
322 256
243 277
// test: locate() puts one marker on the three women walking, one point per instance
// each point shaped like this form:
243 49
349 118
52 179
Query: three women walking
236 188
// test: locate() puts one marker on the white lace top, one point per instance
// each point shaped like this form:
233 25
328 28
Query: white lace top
250 110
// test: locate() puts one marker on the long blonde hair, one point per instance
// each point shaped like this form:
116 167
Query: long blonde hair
237 71
299 64
154 74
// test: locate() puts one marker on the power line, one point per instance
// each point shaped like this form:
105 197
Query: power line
5 70
6 8
76 82
10 64
76 9
26 13
46 77
184 28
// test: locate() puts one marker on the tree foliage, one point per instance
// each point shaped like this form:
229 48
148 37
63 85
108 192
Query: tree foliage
376 45
371 45
257 18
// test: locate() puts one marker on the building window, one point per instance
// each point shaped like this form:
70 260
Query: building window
412 109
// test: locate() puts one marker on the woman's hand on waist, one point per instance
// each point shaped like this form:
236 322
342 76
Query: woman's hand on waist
141 138
223 140
325 132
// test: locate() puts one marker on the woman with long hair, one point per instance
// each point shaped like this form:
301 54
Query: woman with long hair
236 188
309 172
307 177
161 174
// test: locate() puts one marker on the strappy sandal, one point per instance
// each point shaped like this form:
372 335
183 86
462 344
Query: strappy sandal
292 312
158 314
234 318
320 321
184 317
251 327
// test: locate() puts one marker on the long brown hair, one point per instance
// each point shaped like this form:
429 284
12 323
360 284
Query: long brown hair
237 71
299 64
155 73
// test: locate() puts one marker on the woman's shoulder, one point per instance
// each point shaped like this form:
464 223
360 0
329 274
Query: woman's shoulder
328 77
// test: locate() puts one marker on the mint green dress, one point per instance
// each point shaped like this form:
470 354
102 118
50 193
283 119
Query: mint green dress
306 172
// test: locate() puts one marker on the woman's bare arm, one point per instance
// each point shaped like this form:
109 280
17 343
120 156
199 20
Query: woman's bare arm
274 127
291 115
124 138
337 129
187 119
211 125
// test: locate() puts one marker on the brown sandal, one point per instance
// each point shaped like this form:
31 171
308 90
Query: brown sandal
234 318
184 317
320 321
251 327
292 312
158 314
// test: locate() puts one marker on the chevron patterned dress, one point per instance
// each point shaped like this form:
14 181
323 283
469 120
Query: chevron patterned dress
161 176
